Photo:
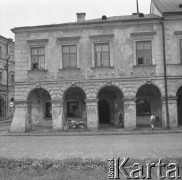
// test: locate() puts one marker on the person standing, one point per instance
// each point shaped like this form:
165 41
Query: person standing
152 121
121 118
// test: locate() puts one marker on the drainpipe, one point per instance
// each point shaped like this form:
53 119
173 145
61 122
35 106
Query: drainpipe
165 74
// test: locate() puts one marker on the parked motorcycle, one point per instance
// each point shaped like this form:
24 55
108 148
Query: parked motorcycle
72 124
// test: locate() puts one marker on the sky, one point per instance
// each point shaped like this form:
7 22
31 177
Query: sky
19 13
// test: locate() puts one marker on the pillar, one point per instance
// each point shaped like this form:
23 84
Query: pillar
172 106
21 120
173 112
57 115
129 113
164 119
92 114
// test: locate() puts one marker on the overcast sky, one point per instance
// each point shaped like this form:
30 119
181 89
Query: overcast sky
17 13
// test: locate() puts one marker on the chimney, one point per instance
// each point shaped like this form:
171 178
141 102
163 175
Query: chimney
80 17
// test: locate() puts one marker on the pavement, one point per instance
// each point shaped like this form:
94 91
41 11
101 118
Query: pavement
148 146
139 144
45 129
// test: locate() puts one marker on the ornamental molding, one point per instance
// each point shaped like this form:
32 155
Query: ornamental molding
100 38
37 42
66 40
38 76
143 35
178 32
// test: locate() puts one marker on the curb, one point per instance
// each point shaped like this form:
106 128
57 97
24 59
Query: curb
60 133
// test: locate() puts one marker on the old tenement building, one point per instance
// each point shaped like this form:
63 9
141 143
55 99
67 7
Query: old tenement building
94 68
6 91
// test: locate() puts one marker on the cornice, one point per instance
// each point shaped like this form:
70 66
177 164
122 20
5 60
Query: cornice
68 39
85 25
149 33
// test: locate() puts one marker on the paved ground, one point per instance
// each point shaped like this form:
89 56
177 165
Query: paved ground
157 144
104 147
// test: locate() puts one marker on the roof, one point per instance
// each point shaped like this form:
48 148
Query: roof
127 18
123 18
168 6
6 39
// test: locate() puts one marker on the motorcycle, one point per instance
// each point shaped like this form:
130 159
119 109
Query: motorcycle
72 124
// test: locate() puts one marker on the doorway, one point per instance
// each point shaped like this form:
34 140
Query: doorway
104 112
179 109
48 110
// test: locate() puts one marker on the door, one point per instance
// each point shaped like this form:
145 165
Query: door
104 112
180 110
48 110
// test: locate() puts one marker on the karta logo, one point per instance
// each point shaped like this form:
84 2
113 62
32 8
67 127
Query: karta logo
118 168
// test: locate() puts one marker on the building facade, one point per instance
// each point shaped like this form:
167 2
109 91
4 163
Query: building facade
6 91
94 68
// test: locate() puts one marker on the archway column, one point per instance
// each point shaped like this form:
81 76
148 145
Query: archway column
130 113
172 105
57 114
21 120
92 114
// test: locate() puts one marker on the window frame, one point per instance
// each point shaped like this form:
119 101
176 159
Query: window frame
144 57
39 55
102 39
37 43
143 36
12 82
96 61
71 40
180 49
76 53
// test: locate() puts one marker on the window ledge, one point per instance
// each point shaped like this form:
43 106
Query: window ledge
38 70
138 66
69 69
103 67
177 64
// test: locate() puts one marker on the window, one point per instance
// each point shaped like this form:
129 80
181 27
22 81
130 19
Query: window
102 50
0 77
181 50
143 106
0 52
102 55
38 58
73 109
144 52
12 79
69 53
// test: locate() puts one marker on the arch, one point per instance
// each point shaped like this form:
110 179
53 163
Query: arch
140 85
70 88
116 85
49 90
148 101
179 105
114 97
74 102
39 106
175 88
